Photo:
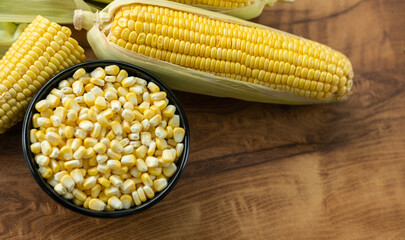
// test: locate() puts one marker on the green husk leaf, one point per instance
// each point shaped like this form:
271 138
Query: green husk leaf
177 77
23 11
9 33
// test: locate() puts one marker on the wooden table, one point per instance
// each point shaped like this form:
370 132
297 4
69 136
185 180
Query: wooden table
263 171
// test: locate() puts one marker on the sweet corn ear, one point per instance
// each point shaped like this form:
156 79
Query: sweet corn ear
245 9
42 50
209 53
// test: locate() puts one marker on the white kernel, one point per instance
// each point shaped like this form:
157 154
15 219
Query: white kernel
101 158
133 136
55 152
86 125
151 161
42 160
60 189
146 138
116 106
56 121
145 124
115 203
160 132
128 82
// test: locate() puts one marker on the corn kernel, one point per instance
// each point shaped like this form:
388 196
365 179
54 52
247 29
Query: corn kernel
128 82
167 156
104 182
103 197
101 158
96 205
116 106
86 202
72 164
78 88
112 70
42 105
115 203
77 176
44 122
141 194
46 148
100 103
45 172
35 148
148 191
42 160
71 104
117 128
67 182
153 87
79 195
127 201
141 165
115 146
146 180
60 189
95 190
169 111
92 171
114 164
86 125
160 184
96 130
170 170
100 148
98 73
115 180
158 96
112 191
79 73
136 199
89 182
174 121
75 143
89 142
69 131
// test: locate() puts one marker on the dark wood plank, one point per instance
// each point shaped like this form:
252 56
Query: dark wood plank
264 171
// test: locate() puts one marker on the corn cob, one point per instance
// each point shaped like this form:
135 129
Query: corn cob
41 51
210 53
245 9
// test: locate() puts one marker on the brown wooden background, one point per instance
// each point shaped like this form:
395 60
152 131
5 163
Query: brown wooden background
263 171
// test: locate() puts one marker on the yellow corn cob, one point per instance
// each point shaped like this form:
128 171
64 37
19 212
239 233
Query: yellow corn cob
210 53
42 50
245 9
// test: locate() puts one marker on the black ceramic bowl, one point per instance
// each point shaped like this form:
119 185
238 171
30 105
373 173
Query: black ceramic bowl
89 66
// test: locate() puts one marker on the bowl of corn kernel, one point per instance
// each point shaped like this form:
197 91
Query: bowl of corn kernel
105 139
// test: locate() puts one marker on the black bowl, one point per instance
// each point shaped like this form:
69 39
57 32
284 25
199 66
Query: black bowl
89 66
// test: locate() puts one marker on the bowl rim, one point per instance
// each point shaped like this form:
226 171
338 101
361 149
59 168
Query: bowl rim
45 90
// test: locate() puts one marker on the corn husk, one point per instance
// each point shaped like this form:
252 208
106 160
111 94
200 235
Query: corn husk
25 11
9 33
177 77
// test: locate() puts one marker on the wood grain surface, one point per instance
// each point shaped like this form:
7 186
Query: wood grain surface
263 171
